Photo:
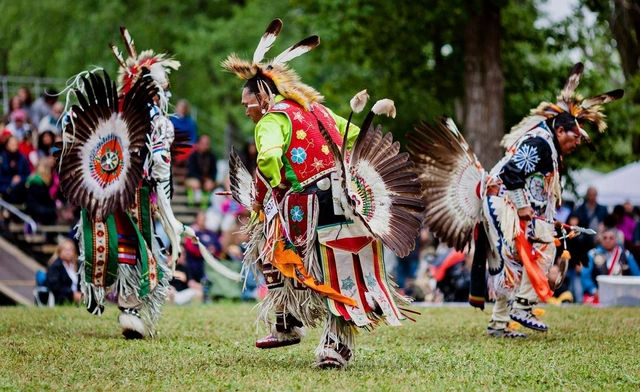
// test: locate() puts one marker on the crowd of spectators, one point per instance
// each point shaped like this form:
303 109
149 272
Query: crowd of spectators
444 275
29 131
432 272
216 223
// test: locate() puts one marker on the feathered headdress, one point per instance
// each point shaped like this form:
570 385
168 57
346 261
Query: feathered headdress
567 102
286 80
159 65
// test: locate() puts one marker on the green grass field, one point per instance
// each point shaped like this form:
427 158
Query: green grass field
211 347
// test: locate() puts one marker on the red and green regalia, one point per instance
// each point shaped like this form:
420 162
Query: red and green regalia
318 248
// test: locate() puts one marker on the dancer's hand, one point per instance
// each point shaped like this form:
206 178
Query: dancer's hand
526 213
257 207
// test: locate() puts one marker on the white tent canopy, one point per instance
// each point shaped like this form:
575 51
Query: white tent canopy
619 186
583 179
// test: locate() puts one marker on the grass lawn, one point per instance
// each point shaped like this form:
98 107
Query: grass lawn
211 347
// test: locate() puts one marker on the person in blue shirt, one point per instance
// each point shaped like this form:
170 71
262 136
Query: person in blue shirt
182 120
608 258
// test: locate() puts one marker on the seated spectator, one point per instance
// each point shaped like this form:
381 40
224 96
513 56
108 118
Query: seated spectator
62 275
182 120
452 271
590 214
233 242
43 105
578 259
40 205
14 170
209 239
28 150
223 212
201 173
183 287
608 258
14 104
18 126
51 122
407 268
625 223
609 222
26 99
46 141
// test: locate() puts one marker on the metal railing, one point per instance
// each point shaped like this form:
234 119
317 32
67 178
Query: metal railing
9 85
24 217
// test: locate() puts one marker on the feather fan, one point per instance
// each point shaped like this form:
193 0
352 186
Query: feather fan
381 188
102 165
241 182
452 179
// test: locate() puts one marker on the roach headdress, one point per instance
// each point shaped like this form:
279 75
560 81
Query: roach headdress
285 79
567 102
157 65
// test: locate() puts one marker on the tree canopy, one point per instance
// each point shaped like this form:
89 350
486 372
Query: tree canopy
412 52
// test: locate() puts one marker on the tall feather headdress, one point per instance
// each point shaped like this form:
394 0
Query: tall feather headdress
568 101
286 80
159 66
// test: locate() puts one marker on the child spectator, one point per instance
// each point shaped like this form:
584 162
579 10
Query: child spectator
62 275
209 239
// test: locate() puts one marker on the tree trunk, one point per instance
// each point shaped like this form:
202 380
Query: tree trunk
624 23
484 84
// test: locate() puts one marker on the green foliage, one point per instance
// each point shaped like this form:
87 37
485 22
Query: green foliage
410 51
211 347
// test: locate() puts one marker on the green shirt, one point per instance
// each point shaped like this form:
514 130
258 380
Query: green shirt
273 134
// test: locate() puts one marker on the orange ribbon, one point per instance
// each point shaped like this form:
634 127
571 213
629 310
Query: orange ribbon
537 277
290 265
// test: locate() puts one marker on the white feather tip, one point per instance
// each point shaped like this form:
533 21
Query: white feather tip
385 106
359 101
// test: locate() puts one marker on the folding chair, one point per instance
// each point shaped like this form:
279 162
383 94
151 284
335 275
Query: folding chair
41 289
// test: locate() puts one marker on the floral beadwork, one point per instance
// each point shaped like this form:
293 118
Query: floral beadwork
296 214
298 155
325 149
300 134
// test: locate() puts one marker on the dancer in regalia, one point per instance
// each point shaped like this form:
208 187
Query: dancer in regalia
115 163
515 202
321 214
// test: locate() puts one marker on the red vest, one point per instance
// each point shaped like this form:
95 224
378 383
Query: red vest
307 157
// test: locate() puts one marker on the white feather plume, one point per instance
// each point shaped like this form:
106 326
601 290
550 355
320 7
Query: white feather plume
267 40
296 50
128 41
385 106
359 101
